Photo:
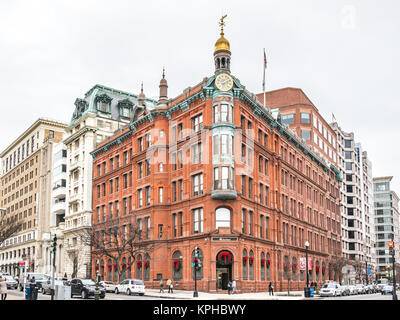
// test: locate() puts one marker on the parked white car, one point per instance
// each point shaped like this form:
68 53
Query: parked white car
108 286
130 286
330 290
360 288
387 289
353 289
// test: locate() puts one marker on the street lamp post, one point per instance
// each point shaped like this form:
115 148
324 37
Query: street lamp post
366 265
54 265
307 292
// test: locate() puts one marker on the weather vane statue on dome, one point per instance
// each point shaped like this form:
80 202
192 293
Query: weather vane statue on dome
222 23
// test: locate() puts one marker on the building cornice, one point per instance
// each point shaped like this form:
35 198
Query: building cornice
79 133
37 123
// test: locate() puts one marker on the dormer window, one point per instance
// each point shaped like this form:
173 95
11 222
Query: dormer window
125 108
103 103
125 112
103 106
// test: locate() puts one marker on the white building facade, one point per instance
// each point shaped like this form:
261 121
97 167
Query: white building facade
96 117
356 204
26 195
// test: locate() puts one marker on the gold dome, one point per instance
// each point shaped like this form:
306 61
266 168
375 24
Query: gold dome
222 44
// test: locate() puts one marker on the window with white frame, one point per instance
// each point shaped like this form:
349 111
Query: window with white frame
222 217
198 184
198 220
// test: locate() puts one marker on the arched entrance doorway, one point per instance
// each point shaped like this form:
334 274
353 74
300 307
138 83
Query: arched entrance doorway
224 269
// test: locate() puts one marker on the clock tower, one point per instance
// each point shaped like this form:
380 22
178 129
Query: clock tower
222 53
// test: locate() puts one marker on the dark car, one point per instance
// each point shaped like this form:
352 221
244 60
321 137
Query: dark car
85 288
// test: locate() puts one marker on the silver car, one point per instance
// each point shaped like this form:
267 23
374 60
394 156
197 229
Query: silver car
46 286
11 282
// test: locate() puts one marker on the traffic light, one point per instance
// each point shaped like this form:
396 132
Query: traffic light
196 252
54 243
391 246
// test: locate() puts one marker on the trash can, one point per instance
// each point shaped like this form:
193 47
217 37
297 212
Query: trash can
58 292
27 292
67 292
311 292
62 292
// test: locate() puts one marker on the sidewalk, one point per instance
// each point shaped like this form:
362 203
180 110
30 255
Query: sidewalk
183 294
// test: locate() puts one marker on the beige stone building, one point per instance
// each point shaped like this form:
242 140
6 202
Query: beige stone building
25 194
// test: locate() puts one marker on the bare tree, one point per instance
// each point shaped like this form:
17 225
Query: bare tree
115 239
359 269
337 263
8 225
77 252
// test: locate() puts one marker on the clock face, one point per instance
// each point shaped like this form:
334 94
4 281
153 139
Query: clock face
224 82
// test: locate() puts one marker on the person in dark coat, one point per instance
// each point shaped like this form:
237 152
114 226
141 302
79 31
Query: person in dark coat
229 287
271 289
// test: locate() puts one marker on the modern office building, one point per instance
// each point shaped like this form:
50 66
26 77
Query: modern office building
386 206
214 169
26 178
101 112
302 116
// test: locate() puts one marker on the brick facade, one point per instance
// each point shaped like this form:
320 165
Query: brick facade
251 189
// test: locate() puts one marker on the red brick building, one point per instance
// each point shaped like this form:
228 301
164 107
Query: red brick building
215 169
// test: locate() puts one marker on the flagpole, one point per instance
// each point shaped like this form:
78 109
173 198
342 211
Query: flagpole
265 104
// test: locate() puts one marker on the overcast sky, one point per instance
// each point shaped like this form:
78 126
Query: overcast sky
343 54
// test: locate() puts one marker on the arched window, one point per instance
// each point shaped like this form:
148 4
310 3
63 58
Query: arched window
263 263
139 266
199 271
129 268
124 268
317 270
310 271
177 265
286 268
268 265
222 218
109 270
115 272
294 269
102 269
244 261
146 267
251 265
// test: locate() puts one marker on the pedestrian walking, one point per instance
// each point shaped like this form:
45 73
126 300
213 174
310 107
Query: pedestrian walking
161 286
271 289
233 286
229 287
3 288
170 286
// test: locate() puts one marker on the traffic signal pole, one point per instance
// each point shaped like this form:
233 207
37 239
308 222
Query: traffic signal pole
391 249
196 263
